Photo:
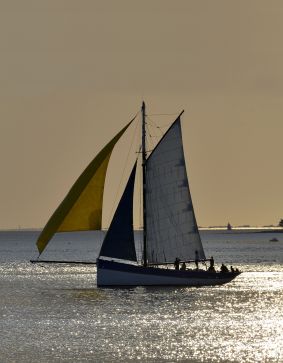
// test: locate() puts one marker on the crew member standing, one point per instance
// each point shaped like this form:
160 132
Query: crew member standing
196 258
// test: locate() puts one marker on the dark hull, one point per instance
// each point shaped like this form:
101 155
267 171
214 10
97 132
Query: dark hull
110 273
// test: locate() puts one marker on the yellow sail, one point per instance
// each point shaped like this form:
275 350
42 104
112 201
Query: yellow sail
81 210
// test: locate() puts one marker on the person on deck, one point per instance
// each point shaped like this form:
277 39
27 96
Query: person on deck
196 258
211 264
177 264
224 268
183 267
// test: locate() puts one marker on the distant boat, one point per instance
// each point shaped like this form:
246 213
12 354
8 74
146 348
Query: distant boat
273 240
170 233
229 227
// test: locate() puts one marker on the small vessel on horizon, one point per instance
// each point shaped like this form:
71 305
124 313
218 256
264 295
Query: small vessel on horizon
170 232
273 240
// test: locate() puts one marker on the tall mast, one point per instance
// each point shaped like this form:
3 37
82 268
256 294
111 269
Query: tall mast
144 184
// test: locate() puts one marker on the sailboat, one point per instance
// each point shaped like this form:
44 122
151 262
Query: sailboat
229 227
170 231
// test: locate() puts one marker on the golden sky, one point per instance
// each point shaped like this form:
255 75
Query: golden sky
72 73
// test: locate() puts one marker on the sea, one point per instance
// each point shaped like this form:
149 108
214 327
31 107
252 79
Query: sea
55 312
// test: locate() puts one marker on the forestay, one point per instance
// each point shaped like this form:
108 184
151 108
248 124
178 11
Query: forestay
171 225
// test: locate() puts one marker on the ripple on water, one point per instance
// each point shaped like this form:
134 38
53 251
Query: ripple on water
55 313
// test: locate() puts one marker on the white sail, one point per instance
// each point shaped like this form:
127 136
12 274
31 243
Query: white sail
171 225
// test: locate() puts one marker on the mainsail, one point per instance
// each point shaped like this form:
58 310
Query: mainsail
81 210
119 241
171 225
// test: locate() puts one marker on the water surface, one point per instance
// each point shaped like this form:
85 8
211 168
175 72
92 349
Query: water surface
55 313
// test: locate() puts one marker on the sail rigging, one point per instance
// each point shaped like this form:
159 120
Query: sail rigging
81 210
119 241
171 225
170 228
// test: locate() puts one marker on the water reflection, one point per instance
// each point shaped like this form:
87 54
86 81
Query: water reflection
56 314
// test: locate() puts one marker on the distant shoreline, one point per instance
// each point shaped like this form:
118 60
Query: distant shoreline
212 229
244 231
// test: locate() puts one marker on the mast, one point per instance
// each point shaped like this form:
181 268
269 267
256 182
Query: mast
144 184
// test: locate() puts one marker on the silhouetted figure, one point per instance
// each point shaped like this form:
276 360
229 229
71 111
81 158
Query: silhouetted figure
224 268
211 265
183 267
232 269
196 258
237 270
177 263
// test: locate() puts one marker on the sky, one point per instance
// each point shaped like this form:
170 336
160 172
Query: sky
73 73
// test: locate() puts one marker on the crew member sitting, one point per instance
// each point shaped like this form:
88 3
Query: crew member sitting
224 268
183 267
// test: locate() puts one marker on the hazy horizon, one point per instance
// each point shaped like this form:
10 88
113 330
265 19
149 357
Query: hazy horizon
74 73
